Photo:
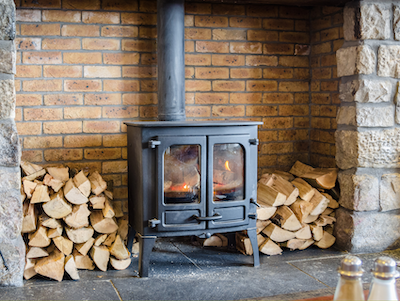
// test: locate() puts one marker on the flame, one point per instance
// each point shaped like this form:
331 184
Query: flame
227 166
185 186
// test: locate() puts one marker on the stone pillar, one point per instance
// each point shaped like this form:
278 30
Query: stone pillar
12 248
368 134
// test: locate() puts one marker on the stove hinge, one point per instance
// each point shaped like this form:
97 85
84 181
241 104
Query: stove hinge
154 143
152 223
253 141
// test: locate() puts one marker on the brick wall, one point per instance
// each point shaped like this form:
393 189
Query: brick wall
326 38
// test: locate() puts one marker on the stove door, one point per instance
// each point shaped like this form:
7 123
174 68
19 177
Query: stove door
181 189
228 185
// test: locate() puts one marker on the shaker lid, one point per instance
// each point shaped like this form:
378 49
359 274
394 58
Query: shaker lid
351 266
385 268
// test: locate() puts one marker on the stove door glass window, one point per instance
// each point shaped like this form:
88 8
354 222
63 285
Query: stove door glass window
228 172
182 174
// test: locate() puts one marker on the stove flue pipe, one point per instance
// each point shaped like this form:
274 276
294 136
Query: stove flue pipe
171 60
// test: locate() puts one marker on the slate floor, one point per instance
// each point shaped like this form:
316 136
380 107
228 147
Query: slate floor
182 270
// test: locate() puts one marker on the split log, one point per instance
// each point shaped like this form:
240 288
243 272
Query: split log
73 194
29 270
285 218
327 211
301 209
79 217
35 252
324 220
326 241
212 241
243 244
319 202
97 201
70 267
35 175
108 210
277 234
84 247
109 194
322 178
120 264
82 183
294 244
56 232
29 188
118 211
23 195
51 266
265 212
269 196
119 251
40 195
307 243
98 185
100 256
30 218
311 218
317 232
260 225
299 169
102 224
123 227
59 173
83 262
332 202
49 222
39 238
268 247
110 239
63 244
283 174
135 248
55 184
282 186
304 233
30 168
100 239
57 207
306 192
80 235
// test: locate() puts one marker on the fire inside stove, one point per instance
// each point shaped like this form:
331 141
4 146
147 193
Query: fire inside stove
182 173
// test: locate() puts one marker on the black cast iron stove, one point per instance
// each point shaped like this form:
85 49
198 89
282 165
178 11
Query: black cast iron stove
187 178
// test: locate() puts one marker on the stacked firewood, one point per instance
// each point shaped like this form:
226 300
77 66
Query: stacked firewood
70 222
296 210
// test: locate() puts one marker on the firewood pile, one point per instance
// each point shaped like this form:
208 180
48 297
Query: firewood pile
296 211
70 222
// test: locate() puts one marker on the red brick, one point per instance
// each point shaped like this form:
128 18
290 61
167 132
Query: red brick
293 86
321 48
228 111
278 24
63 99
62 127
262 35
278 98
121 85
148 6
278 73
211 73
141 46
115 140
197 34
121 58
189 72
302 25
27 100
289 135
293 110
147 32
28 71
321 73
302 122
148 58
337 44
268 135
244 22
198 111
54 155
82 112
228 9
114 167
32 156
267 160
262 10
139 72
148 112
261 85
41 4
211 98
294 37
315 86
102 153
28 43
42 114
138 19
43 142
277 148
100 17
61 16
198 8
227 60
17 85
210 21
278 49
302 49
82 58
82 85
262 110
102 99
100 44
82 5
214 47
197 85
189 46
29 128
228 85
261 60
245 47
246 73
41 57
330 34
80 30
189 20
148 85
125 5
42 85
102 71
101 126
119 31
294 12
329 86
228 34
292 61
245 98
189 98
328 60
301 73
82 140
198 59
62 71
320 123
321 98
277 122
28 15
139 99
321 23
329 111
61 44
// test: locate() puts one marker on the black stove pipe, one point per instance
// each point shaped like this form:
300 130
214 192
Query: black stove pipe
171 60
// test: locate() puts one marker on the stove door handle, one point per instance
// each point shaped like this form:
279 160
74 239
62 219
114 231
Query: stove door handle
216 216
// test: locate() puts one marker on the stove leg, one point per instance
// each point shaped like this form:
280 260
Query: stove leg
146 244
252 233
131 238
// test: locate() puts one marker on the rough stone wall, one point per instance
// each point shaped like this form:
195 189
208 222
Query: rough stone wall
326 38
12 248
84 67
367 140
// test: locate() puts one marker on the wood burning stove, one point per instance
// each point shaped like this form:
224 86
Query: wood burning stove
191 178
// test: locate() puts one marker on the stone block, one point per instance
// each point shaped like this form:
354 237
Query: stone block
12 262
10 152
365 91
375 116
10 178
10 215
346 149
349 23
7 20
396 22
355 60
359 192
346 115
7 57
389 61
390 192
7 99
367 232
374 22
